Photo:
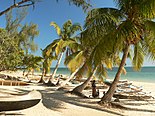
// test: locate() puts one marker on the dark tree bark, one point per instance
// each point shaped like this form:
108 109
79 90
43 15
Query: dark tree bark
15 5
81 87
108 96
55 69
42 76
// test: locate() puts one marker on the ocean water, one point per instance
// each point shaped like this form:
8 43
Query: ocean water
146 74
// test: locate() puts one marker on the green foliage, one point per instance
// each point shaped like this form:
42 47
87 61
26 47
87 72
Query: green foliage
58 29
149 40
10 53
66 42
26 37
138 57
31 62
83 3
75 60
16 41
109 30
47 60
143 8
12 25
125 26
24 34
101 73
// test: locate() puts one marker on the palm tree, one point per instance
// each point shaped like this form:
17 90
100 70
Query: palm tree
47 61
87 60
95 68
66 42
128 25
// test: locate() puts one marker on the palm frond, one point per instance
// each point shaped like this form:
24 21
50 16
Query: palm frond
104 50
47 63
147 9
105 17
51 47
58 29
150 27
108 62
148 42
85 4
149 47
66 26
58 48
75 27
83 71
75 60
143 8
101 72
138 58
100 22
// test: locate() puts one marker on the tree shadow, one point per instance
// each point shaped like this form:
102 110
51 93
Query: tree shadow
11 114
55 101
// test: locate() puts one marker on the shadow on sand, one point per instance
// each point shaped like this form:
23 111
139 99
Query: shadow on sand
54 100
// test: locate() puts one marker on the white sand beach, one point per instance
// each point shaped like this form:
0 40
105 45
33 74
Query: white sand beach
60 103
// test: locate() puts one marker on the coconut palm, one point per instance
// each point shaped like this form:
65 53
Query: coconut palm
128 25
87 60
96 69
67 42
47 60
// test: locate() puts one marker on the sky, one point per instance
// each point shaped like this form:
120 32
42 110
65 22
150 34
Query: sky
47 11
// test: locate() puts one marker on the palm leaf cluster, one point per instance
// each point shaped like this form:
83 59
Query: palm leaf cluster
97 44
111 31
85 4
66 43
114 28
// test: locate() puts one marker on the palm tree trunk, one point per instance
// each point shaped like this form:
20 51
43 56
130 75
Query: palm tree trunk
70 77
56 67
108 96
81 87
42 76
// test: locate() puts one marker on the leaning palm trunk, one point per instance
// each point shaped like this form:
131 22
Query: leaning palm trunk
41 79
56 67
81 87
70 77
108 96
42 76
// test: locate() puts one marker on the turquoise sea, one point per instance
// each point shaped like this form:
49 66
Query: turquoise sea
147 74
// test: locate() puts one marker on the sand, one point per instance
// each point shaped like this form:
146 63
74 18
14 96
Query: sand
60 103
